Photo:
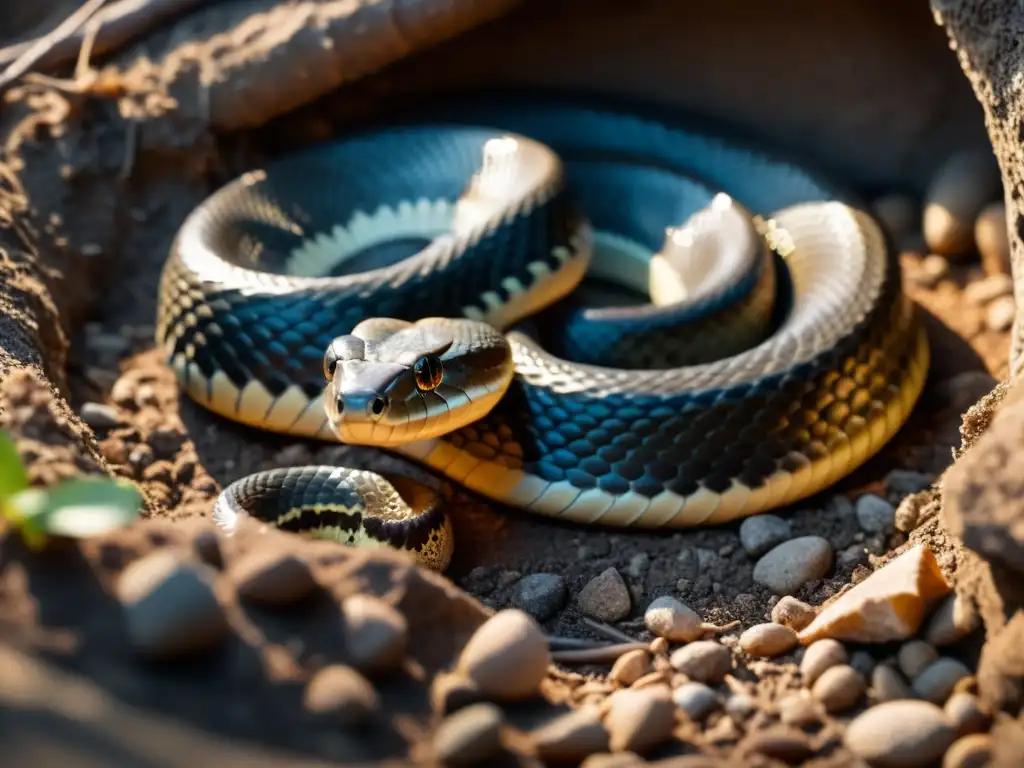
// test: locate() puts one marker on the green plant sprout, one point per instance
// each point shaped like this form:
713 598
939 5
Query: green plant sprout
75 508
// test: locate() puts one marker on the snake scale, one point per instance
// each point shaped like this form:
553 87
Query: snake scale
423 286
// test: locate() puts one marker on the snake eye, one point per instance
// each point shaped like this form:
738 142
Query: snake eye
330 362
429 372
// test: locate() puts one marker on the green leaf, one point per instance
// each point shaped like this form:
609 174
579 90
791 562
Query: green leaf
12 473
25 510
85 507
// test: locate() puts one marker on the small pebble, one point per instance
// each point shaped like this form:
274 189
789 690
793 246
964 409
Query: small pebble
792 564
958 192
170 605
572 736
702 660
638 720
540 594
903 482
932 270
739 706
992 238
839 688
343 693
887 684
790 745
1000 313
165 442
952 620
901 733
606 597
100 415
696 700
966 715
820 656
971 751
376 634
507 657
875 514
793 613
768 640
863 662
659 646
760 533
800 711
936 682
914 656
450 692
984 291
673 620
267 577
471 735
630 667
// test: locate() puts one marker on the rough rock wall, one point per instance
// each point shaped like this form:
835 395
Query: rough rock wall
868 90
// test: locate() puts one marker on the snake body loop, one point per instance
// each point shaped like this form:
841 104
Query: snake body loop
420 288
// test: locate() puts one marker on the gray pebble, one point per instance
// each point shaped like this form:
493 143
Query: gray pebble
904 482
672 619
696 700
572 736
914 656
739 706
100 415
540 594
376 634
760 533
792 564
640 719
839 688
906 733
936 682
768 640
170 605
605 597
965 713
801 711
887 684
471 735
267 577
793 613
343 693
820 656
875 514
953 620
703 660
863 662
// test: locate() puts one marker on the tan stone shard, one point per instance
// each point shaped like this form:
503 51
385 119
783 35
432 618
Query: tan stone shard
888 605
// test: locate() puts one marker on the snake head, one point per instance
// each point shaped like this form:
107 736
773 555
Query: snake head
392 382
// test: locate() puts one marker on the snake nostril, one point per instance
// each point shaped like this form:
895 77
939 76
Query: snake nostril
379 405
341 404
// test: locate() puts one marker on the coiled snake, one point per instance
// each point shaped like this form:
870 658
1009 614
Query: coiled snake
415 288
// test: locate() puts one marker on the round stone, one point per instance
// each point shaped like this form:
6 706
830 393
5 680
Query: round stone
936 682
605 597
793 613
469 736
673 620
792 564
507 657
702 660
696 700
376 634
905 733
540 594
875 514
768 640
760 533
820 656
839 688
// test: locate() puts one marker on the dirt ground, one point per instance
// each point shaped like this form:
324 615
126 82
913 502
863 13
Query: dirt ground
242 703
